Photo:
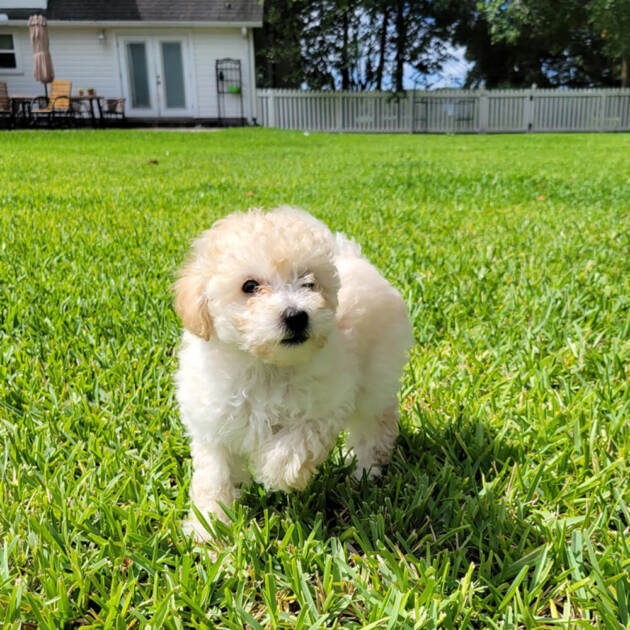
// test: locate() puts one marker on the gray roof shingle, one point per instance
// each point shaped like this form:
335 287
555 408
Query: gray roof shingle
147 11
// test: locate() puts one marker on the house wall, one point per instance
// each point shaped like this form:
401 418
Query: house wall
79 56
208 46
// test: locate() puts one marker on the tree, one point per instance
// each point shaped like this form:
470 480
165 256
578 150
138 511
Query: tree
330 45
347 44
279 61
563 35
612 19
418 40
379 44
497 62
380 12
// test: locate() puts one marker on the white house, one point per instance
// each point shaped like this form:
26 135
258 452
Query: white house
163 56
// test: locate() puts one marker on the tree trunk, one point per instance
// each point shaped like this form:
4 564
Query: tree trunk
345 63
271 70
401 40
382 50
625 62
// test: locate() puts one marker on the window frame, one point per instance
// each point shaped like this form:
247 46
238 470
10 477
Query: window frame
16 54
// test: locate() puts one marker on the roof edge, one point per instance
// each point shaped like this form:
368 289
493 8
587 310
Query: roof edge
137 23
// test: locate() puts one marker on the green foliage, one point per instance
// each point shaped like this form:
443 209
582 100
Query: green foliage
612 19
567 32
347 44
374 44
280 62
507 503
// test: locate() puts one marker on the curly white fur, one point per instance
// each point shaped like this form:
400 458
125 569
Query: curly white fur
255 404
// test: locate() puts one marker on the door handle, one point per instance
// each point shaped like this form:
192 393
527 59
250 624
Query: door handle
158 80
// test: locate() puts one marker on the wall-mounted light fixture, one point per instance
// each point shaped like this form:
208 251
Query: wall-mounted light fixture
102 37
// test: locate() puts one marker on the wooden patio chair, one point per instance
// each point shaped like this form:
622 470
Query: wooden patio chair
6 110
57 107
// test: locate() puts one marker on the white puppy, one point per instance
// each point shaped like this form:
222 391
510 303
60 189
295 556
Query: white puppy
291 337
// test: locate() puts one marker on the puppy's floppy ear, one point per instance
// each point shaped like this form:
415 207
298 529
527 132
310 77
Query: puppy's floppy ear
190 303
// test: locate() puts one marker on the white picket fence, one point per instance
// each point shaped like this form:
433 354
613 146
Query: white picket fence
447 111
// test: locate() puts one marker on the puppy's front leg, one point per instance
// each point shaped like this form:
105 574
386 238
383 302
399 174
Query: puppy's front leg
371 439
212 484
288 460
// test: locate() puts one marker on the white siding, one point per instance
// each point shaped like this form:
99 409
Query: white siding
80 57
77 56
208 46
23 4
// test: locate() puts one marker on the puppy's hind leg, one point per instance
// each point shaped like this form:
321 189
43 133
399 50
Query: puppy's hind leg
215 475
371 438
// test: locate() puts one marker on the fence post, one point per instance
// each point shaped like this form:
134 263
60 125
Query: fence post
528 110
602 111
484 111
411 100
338 111
271 109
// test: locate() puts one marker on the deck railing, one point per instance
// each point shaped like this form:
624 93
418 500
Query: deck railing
447 111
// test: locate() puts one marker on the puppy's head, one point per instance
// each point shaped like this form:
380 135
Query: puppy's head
265 283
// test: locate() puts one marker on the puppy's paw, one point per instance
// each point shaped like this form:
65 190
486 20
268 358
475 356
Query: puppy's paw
193 526
371 472
285 471
366 463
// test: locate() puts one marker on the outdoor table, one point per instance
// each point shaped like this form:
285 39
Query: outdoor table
86 98
20 103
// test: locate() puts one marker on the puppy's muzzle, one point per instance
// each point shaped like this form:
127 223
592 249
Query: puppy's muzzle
296 323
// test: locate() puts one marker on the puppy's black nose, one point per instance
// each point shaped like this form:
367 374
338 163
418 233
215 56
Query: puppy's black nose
295 321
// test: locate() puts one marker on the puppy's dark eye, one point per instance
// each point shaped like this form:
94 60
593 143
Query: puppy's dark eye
308 285
249 286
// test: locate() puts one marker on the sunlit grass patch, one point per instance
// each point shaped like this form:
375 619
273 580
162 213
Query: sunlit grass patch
507 501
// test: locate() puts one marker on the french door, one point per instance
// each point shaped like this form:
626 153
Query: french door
156 75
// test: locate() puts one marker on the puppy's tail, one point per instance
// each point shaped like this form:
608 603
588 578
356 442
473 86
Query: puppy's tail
346 247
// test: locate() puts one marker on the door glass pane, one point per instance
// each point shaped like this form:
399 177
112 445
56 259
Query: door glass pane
138 75
173 65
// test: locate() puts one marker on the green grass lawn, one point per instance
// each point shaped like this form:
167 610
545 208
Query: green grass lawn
507 503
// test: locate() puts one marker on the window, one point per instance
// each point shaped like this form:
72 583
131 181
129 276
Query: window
8 54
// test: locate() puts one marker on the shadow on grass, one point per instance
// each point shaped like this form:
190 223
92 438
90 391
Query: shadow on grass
442 492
